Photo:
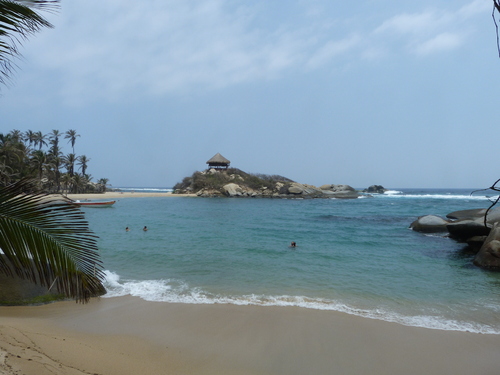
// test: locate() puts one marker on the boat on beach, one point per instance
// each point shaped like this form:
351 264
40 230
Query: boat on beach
94 204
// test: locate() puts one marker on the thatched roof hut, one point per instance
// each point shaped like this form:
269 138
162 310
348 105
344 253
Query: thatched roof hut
218 162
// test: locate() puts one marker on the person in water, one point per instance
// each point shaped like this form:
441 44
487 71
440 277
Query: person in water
293 244
145 229
127 229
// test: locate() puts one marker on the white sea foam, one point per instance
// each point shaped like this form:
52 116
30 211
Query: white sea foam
174 291
439 196
392 192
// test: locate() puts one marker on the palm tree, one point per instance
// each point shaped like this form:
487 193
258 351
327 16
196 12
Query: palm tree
71 134
38 162
102 183
19 19
54 138
40 140
69 162
30 137
83 163
48 242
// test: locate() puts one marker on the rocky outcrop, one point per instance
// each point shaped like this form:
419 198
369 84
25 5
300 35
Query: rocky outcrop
375 189
489 254
340 191
430 224
236 183
464 229
469 226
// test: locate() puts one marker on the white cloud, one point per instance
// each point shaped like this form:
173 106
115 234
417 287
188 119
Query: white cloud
166 47
441 42
331 49
126 48
432 30
411 23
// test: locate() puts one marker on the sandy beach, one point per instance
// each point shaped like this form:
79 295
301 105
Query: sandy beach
110 195
126 335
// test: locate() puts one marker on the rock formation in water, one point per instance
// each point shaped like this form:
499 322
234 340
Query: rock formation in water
481 234
233 182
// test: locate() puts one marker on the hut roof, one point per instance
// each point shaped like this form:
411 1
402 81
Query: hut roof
218 158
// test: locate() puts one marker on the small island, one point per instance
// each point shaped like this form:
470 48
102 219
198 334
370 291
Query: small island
219 180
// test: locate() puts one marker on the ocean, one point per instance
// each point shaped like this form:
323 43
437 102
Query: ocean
354 256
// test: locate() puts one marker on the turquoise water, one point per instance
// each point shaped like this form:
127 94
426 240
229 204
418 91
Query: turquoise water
356 256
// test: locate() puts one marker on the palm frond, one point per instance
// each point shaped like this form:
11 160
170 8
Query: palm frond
18 20
48 241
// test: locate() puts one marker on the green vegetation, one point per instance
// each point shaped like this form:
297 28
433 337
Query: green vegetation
40 300
33 155
216 180
43 240
18 20
47 241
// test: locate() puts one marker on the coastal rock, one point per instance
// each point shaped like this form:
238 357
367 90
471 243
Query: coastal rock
477 214
464 229
304 190
233 182
430 224
295 189
489 254
209 193
476 242
337 188
233 190
493 216
339 191
375 189
473 214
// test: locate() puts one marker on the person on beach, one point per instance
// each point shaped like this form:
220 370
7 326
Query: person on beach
293 244
145 229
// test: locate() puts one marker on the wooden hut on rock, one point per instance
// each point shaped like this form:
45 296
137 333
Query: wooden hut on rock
218 162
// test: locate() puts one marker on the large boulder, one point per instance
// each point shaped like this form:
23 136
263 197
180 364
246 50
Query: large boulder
430 224
375 189
303 190
489 254
339 191
233 190
464 229
296 189
473 214
476 213
209 193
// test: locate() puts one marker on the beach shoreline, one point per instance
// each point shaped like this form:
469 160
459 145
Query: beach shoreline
111 195
127 335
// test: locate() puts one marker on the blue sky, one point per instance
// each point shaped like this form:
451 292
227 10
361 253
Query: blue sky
397 93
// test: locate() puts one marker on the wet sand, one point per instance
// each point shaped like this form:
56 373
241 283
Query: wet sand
126 335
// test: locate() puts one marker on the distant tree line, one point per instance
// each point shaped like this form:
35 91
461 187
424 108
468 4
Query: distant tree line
39 157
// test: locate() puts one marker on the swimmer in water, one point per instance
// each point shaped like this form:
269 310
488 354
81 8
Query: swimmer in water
145 229
293 244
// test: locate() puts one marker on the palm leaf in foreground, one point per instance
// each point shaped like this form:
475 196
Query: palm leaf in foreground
48 241
18 20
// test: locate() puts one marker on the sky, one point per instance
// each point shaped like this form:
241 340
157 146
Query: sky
397 93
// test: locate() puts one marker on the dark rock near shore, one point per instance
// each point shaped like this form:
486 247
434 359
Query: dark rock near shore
464 229
430 224
375 189
489 254
339 191
469 226
467 214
